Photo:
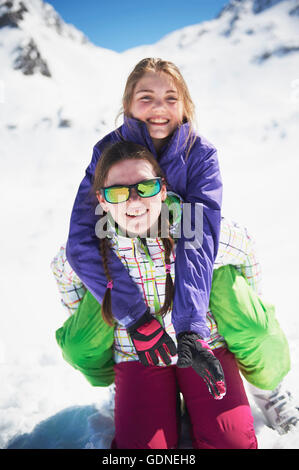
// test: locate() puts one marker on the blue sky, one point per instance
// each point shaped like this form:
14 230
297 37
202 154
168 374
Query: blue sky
122 24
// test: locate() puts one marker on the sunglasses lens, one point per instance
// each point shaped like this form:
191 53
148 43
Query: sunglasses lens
149 188
116 195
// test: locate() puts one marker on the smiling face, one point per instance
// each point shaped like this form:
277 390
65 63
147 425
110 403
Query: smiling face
136 215
156 102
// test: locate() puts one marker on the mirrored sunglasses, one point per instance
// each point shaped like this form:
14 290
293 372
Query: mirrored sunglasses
117 194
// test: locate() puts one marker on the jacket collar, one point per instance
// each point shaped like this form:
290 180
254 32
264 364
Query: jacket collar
136 131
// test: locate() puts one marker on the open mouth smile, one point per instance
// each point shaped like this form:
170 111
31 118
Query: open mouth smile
136 215
158 121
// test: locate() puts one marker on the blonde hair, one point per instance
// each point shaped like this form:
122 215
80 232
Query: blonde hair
157 65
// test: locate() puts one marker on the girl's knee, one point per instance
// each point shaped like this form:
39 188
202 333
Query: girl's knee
232 429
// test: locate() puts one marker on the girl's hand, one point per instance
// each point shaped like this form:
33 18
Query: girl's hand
151 341
194 352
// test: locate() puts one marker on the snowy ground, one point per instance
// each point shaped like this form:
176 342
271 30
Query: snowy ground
43 400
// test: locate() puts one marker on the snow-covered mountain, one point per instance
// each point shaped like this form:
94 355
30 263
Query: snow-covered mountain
53 76
42 56
59 94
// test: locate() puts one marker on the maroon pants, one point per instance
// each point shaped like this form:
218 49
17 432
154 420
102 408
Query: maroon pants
146 411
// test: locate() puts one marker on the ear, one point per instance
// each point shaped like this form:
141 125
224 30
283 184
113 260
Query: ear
163 192
102 201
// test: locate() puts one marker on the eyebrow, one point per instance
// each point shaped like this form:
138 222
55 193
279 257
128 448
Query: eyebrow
152 91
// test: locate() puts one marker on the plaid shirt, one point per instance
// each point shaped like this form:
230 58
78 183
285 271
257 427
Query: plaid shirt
146 266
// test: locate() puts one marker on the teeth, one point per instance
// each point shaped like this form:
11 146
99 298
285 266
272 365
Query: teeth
159 121
135 214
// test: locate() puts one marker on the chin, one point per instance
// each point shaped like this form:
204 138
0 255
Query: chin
139 231
135 231
160 135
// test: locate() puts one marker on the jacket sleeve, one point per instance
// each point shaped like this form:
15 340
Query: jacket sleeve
70 287
237 247
83 254
195 259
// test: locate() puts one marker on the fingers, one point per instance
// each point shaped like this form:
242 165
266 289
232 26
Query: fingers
209 368
216 388
163 355
147 358
143 358
221 387
165 350
170 347
152 357
206 360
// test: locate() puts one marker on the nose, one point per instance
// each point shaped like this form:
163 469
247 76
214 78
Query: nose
134 196
158 103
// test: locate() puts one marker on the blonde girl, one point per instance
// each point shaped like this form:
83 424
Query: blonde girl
159 115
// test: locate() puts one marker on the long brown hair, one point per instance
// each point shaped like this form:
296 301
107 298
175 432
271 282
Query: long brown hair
111 155
151 64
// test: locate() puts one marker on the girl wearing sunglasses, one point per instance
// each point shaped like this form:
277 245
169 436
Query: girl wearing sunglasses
131 190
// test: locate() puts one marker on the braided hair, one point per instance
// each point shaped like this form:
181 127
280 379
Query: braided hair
111 155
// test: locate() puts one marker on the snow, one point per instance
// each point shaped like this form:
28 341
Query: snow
249 110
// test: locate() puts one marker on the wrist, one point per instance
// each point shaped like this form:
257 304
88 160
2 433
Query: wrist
145 318
185 334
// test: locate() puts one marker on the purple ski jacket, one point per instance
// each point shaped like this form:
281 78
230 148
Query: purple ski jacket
196 178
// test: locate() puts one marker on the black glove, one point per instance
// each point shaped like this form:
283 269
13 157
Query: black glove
194 352
151 340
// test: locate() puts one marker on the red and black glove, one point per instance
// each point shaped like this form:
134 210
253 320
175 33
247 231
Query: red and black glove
194 352
151 341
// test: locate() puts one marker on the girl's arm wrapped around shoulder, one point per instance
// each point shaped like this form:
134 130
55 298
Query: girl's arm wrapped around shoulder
195 260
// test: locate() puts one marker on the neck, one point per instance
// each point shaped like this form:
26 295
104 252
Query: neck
159 143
